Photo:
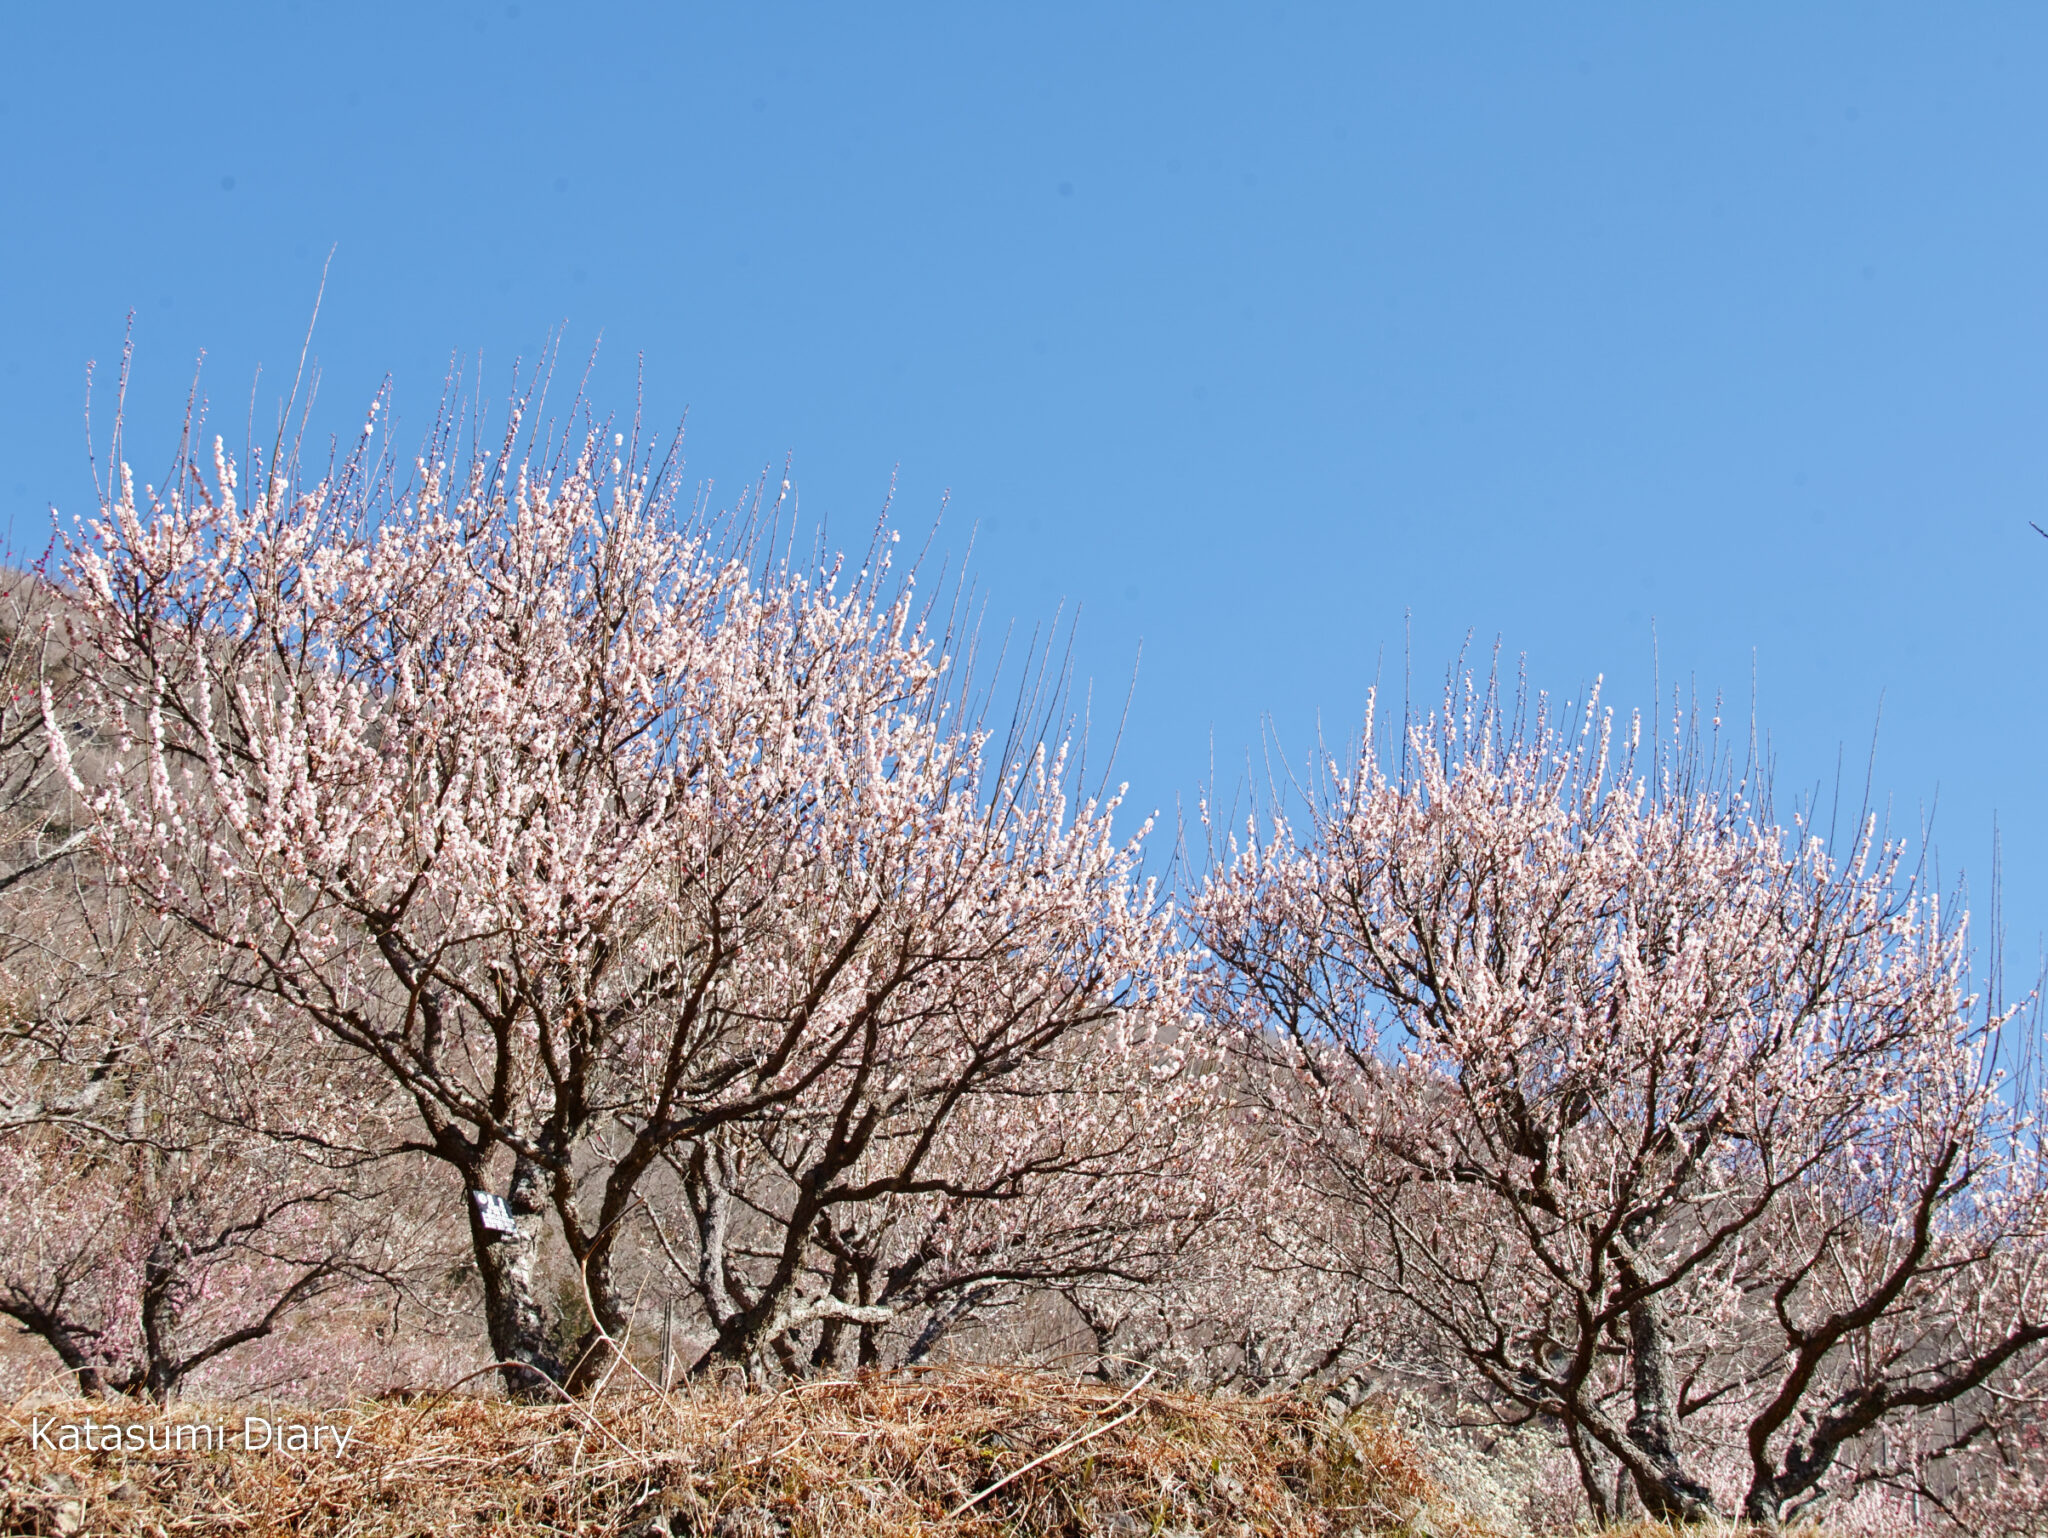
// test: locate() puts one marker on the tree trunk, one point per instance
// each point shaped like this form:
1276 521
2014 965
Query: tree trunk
950 1311
832 1333
521 1338
1806 1463
1668 1489
608 1319
870 1351
61 1338
1597 1504
162 1300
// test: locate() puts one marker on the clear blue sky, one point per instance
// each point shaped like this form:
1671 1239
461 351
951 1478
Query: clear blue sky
1251 329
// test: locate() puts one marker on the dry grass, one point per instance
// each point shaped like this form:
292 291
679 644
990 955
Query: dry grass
880 1456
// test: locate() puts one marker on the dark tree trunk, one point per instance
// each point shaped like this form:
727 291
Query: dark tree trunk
870 1352
521 1333
609 1323
833 1332
1669 1491
61 1338
160 1314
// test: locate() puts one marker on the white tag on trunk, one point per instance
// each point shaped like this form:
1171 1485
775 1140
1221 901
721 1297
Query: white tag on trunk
493 1213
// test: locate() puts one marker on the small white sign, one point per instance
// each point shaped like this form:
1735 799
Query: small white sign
493 1213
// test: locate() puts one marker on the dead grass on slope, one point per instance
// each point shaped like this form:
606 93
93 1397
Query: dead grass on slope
963 1452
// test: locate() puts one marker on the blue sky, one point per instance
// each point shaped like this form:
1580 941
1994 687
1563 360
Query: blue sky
1277 339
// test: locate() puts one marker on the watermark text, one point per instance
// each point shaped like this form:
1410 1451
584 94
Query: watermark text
255 1434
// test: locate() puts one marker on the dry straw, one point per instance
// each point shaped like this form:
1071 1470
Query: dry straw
956 1452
